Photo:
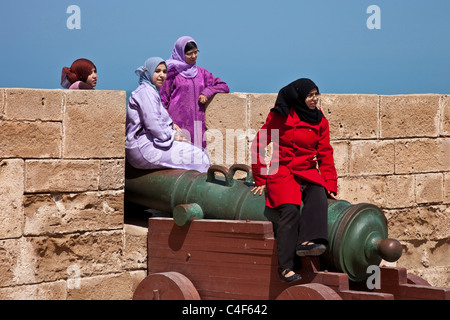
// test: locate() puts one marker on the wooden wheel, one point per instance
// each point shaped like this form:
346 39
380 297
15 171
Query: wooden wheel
166 286
310 291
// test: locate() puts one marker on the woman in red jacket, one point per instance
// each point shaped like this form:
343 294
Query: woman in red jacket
302 170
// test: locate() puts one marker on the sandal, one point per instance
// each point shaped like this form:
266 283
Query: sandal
310 249
294 277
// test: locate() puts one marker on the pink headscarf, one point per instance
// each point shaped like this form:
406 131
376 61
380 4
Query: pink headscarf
177 60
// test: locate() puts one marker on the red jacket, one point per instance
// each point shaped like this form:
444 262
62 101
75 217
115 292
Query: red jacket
301 151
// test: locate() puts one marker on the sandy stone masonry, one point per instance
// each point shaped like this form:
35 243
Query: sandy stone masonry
63 235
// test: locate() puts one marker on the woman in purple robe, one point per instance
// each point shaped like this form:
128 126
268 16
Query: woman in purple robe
153 141
187 90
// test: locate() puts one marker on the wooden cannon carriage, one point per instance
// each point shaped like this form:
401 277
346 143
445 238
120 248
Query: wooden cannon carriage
226 259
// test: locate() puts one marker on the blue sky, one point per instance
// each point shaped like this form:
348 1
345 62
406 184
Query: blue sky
253 45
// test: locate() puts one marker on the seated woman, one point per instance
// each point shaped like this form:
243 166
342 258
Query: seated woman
82 75
302 170
152 139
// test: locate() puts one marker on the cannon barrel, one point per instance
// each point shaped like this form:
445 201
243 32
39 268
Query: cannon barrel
357 234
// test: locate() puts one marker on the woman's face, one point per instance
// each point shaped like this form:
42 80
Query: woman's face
191 56
160 75
92 79
312 99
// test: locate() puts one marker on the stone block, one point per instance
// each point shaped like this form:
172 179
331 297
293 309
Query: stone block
76 212
30 139
259 108
61 176
17 262
112 174
351 116
422 155
11 198
34 104
2 102
8 261
56 257
41 291
382 191
420 255
227 134
227 111
445 115
429 188
228 146
107 287
420 223
135 247
435 276
94 124
446 193
398 192
409 116
341 157
370 157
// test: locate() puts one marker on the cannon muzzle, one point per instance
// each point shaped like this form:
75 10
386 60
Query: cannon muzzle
357 234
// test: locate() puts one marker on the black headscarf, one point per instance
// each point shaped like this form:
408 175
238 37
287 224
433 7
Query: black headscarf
294 95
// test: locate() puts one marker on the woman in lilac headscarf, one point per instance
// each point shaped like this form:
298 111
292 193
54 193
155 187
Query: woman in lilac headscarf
188 88
152 139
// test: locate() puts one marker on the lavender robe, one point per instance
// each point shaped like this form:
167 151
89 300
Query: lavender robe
180 96
150 140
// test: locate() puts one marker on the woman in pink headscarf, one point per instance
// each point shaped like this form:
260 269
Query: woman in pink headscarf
188 88
82 75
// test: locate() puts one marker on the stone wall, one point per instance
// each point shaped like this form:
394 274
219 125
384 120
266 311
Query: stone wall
62 234
391 151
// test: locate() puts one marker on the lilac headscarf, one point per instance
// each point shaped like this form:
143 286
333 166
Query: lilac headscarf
145 72
177 60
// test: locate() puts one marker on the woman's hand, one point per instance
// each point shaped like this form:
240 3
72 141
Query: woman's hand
259 189
203 99
177 128
332 195
179 137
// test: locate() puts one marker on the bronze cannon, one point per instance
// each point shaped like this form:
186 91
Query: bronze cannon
357 234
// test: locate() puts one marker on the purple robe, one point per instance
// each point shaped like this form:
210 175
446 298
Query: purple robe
150 137
180 96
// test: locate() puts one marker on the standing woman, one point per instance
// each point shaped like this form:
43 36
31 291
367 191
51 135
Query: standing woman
82 75
188 88
152 140
302 170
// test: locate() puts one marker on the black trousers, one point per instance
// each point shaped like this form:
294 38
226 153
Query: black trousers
294 228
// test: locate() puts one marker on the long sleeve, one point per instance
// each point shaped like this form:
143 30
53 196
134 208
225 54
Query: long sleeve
154 122
258 149
151 117
213 85
326 159
167 88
